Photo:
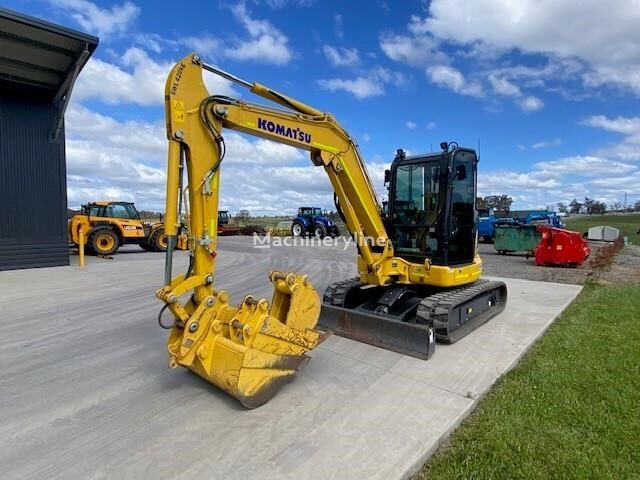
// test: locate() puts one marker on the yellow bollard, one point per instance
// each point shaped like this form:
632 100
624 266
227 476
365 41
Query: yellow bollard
81 246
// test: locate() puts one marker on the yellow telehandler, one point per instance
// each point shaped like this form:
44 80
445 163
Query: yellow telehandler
418 263
108 225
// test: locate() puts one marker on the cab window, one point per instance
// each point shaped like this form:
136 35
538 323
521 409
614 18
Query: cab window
123 211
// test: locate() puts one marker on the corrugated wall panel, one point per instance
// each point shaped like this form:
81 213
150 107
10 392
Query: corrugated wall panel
33 199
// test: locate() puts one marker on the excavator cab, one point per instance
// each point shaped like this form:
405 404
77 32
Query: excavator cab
431 206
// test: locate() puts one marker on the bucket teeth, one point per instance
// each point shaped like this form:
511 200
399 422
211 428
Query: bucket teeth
251 350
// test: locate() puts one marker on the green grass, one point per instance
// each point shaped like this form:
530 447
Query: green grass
628 224
570 409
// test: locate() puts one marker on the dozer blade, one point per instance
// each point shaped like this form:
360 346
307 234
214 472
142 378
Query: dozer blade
384 332
251 350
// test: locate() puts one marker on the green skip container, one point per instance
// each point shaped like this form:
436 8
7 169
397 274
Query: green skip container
516 238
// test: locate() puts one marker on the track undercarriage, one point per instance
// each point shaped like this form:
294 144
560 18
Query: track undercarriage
409 319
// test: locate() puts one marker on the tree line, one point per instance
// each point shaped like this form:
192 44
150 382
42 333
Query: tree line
595 207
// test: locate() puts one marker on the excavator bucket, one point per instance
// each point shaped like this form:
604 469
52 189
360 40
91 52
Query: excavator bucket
251 350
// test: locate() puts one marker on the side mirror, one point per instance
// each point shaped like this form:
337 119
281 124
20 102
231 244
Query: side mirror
461 172
387 176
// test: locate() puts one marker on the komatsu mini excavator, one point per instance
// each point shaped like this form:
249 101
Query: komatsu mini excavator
419 270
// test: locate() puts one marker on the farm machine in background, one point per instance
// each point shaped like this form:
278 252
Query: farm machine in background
224 227
108 225
312 221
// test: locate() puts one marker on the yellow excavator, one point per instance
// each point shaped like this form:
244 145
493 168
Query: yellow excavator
419 268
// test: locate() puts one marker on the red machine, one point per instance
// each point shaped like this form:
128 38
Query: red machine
561 248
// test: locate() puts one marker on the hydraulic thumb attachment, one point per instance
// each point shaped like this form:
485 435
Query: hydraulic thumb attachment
249 350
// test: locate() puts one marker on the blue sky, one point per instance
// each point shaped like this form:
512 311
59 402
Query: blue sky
550 88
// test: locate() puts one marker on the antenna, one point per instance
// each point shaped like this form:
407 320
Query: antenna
478 148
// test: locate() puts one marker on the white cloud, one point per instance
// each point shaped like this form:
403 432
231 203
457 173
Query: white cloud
109 159
502 86
541 26
141 83
359 87
615 186
341 57
506 88
626 75
562 180
266 44
431 125
629 127
366 137
283 3
596 48
151 41
534 75
203 45
449 77
410 125
547 143
417 51
508 182
139 80
100 21
625 125
530 103
586 166
370 84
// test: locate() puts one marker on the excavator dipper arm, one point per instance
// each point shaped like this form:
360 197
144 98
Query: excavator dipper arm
248 350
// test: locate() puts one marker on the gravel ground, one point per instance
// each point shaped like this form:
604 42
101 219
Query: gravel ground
513 265
517 265
625 267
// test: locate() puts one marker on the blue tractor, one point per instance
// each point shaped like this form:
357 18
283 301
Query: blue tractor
311 221
486 226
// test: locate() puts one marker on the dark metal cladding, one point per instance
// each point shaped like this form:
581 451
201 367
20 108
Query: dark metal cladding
33 197
402 337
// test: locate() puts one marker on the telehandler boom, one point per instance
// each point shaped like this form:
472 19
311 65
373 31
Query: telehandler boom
419 271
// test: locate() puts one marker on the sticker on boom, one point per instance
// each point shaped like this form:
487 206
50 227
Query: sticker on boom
178 111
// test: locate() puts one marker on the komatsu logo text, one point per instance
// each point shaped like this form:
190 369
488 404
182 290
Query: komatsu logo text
293 133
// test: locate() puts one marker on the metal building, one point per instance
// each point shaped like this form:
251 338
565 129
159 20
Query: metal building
39 63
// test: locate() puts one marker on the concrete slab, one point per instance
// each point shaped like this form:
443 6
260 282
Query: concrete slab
86 392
